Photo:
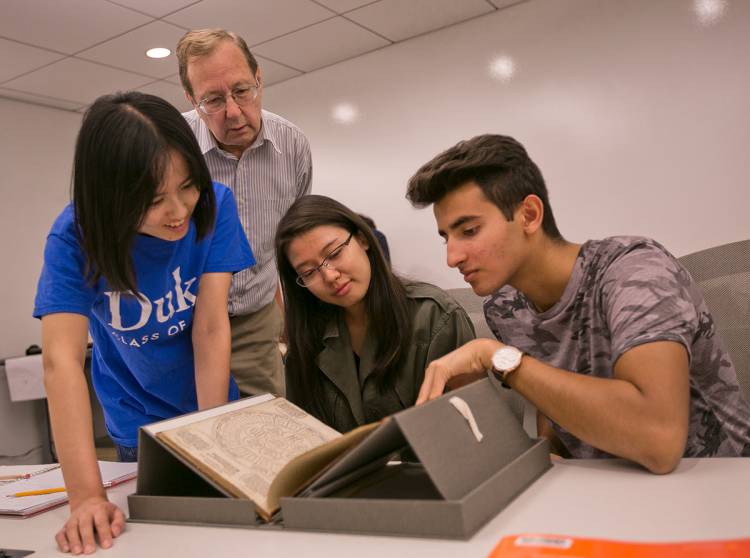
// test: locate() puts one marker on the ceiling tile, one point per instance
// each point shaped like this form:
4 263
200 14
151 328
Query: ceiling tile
341 6
156 8
254 20
38 99
400 20
67 26
505 3
128 51
174 78
273 72
169 92
321 44
76 80
16 59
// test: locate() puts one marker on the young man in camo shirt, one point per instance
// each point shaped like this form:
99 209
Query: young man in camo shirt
611 340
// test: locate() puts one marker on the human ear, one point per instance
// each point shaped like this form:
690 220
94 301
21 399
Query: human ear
531 213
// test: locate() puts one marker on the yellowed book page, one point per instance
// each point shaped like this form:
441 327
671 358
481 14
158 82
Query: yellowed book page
244 450
155 427
307 466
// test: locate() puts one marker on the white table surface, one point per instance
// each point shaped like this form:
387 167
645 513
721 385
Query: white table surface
702 499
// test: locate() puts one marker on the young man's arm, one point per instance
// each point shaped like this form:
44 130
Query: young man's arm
92 516
544 429
212 340
640 414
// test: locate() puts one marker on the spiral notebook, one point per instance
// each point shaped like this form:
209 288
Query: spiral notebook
113 473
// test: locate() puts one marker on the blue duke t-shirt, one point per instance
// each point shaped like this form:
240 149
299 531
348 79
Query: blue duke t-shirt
142 360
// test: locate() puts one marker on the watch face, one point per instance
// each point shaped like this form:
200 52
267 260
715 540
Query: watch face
506 358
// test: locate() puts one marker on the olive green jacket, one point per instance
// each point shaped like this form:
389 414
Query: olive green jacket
439 325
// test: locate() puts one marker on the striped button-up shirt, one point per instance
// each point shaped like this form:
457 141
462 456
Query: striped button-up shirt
269 176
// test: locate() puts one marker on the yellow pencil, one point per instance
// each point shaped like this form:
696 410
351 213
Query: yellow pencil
38 492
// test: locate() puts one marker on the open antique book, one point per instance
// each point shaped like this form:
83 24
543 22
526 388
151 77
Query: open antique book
436 470
262 448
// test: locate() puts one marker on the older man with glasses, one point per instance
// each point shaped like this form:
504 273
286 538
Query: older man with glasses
265 160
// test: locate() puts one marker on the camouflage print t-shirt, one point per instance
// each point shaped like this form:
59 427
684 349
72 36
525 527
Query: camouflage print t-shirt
623 292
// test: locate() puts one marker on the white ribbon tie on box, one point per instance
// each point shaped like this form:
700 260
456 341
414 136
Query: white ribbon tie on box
463 408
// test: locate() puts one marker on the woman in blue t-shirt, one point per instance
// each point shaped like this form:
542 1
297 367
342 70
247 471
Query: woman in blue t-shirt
141 261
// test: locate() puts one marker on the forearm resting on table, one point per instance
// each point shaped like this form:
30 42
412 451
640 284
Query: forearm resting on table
646 424
640 414
70 416
92 517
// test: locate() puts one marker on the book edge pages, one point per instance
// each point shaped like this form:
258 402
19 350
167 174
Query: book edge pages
306 467
155 427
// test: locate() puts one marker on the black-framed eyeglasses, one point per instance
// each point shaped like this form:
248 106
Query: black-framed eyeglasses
311 276
242 95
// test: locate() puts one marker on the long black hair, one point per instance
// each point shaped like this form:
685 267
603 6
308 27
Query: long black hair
389 321
122 153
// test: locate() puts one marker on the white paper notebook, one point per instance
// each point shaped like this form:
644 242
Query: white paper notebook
25 378
112 473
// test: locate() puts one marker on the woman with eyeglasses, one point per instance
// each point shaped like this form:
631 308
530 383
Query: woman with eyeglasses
141 261
359 337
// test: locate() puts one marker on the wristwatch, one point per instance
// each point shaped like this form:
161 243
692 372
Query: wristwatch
504 361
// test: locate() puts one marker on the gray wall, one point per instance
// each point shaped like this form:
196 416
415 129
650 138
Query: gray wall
635 111
36 152
24 436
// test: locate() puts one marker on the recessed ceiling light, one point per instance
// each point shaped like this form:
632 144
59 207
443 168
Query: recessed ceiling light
345 113
158 52
709 12
502 68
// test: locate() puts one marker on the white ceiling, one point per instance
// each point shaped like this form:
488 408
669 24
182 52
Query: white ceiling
65 53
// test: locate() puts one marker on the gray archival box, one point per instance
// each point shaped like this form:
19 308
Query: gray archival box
449 488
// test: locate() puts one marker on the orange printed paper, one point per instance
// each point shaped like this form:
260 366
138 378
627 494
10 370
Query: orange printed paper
560 546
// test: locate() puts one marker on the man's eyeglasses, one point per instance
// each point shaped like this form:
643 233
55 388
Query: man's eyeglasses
242 95
312 276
